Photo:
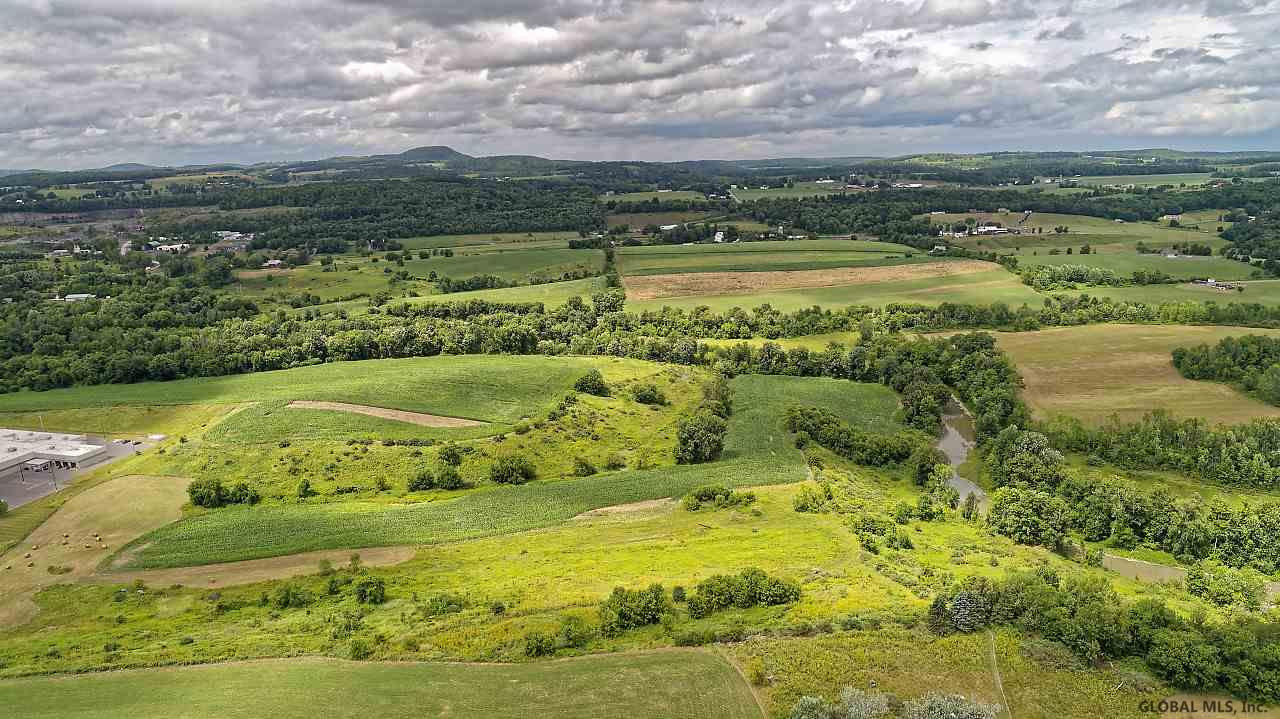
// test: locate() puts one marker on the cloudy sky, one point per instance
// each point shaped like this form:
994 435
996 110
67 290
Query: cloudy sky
92 82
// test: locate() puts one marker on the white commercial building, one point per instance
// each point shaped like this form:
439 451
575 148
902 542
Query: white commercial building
46 449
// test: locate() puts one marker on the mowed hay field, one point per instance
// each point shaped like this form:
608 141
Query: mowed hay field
692 684
762 256
1095 371
928 283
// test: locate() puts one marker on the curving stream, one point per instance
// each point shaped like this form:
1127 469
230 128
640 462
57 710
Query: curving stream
956 441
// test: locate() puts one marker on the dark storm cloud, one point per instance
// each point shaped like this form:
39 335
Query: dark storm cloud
96 81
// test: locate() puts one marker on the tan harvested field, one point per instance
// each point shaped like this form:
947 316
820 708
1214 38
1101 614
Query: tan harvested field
85 531
258 570
1095 371
418 418
653 287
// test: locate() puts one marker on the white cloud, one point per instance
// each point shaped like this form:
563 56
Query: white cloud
93 82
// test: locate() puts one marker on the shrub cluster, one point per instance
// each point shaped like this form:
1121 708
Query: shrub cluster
750 588
512 469
717 496
627 609
1240 656
211 493
831 432
700 438
592 383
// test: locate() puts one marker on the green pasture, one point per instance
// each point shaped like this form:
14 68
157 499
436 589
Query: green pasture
1080 229
517 265
757 452
502 239
1265 292
692 684
1036 680
761 400
1095 371
796 259
484 387
1175 179
1124 263
550 294
974 288
639 220
654 195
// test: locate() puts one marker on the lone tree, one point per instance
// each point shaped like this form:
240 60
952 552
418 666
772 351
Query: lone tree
700 438
592 383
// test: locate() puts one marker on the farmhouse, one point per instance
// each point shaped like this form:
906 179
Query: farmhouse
46 449
174 249
273 264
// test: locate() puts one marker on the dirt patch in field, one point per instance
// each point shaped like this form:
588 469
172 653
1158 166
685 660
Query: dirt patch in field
418 418
84 531
645 507
655 287
258 570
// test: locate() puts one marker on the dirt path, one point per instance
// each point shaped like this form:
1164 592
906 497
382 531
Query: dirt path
257 570
82 533
653 287
995 672
425 420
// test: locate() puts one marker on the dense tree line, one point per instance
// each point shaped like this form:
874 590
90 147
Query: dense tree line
1252 361
1040 501
1240 656
891 213
869 448
1241 455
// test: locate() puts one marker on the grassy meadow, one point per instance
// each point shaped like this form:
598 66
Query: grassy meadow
513 240
352 275
761 256
483 387
1264 292
1095 371
975 288
1125 263
657 685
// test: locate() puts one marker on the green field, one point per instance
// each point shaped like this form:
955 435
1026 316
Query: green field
354 275
1082 229
1095 371
639 220
974 288
761 256
487 388
499 239
757 452
799 189
519 265
1187 178
1125 263
1265 292
1036 680
550 294
692 684
654 195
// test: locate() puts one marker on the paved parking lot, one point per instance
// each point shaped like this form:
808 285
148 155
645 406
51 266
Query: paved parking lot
18 487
